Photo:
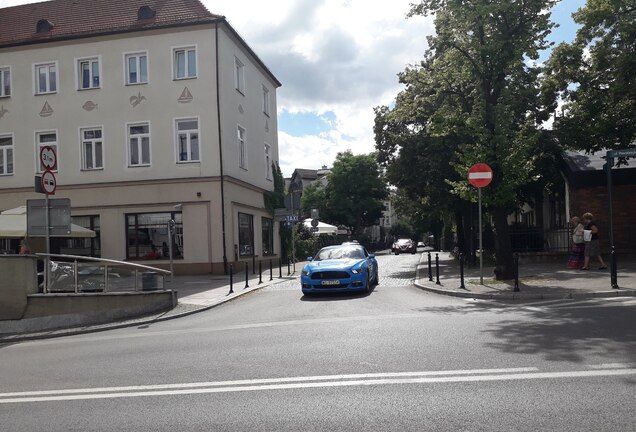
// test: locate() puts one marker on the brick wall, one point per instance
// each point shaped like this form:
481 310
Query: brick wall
594 200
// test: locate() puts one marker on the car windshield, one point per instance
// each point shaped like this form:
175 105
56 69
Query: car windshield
402 241
339 252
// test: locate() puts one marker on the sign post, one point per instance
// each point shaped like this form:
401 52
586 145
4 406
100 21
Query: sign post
611 154
480 175
48 159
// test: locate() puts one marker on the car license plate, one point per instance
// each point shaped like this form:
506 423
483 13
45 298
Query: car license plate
330 282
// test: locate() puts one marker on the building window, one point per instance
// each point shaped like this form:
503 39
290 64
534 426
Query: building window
5 82
46 78
136 68
88 73
185 63
187 140
246 234
139 144
92 148
265 100
90 246
242 151
6 155
148 237
267 231
268 162
239 75
45 139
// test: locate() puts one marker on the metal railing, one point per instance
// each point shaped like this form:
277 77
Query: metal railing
78 274
540 240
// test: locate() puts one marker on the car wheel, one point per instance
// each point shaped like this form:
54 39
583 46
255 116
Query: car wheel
368 286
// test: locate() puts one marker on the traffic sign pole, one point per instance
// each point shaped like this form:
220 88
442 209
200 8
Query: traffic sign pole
480 175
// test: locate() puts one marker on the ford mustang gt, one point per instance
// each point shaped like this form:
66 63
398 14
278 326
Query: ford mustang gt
348 267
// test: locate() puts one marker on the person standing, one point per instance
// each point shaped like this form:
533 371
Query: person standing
592 248
24 247
577 258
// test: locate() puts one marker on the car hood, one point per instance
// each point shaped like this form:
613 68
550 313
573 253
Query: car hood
334 264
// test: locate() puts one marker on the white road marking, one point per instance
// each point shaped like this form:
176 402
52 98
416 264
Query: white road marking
307 382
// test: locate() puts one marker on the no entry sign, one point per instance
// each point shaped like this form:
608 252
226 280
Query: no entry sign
480 175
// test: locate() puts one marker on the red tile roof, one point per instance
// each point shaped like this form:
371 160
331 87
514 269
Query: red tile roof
81 18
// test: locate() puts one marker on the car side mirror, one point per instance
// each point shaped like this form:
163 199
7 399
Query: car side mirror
371 256
310 259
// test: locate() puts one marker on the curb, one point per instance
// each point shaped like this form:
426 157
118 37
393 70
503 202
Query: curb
130 323
527 296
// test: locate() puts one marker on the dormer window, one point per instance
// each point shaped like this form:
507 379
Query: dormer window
44 26
145 12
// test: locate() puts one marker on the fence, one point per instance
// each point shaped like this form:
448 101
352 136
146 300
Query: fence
73 273
540 240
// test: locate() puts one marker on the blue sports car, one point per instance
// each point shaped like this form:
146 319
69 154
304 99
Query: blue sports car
348 267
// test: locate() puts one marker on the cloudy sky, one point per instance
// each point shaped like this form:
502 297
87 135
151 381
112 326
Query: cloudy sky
336 59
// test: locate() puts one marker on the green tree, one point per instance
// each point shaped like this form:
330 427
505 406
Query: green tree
276 198
476 97
354 192
313 198
402 229
595 76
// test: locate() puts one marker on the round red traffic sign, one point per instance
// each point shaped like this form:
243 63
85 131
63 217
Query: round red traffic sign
480 175
48 158
48 182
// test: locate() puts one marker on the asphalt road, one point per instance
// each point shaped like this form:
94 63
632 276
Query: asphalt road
398 359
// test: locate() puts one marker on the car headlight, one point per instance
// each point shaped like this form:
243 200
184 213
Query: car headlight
356 271
306 272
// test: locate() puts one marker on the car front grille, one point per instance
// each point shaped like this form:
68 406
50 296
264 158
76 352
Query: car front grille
330 275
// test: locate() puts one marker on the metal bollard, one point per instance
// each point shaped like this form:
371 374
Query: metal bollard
270 270
288 267
247 268
613 269
231 278
515 260
280 268
437 269
430 270
260 272
461 270
253 264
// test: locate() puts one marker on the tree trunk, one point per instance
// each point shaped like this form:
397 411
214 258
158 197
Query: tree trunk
503 248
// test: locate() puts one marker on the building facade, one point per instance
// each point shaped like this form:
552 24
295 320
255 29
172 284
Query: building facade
158 111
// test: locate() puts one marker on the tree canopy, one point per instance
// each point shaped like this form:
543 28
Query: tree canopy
353 195
474 98
595 77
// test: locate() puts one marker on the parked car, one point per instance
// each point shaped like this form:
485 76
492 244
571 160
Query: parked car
342 268
404 245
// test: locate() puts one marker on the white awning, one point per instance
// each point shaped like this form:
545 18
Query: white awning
13 224
323 228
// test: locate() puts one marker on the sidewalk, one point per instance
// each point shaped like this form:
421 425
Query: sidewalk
542 280
195 294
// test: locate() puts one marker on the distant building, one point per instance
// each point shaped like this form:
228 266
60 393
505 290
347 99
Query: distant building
157 110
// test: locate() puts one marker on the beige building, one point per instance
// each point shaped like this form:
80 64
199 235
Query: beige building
157 110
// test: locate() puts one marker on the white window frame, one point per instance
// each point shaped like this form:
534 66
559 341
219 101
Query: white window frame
36 75
239 75
265 101
268 161
137 55
39 168
188 133
242 147
4 150
79 76
5 71
93 142
185 49
139 145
